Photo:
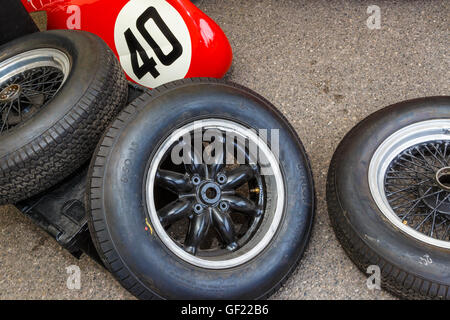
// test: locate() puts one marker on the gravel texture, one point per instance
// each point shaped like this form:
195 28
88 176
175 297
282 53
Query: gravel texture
320 64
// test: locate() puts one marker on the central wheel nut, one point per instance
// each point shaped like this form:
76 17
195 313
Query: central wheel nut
10 93
443 178
210 193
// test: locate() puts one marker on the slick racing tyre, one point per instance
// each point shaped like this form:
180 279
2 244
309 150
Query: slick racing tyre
388 196
215 222
58 92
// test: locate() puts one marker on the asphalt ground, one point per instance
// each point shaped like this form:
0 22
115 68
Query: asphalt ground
320 64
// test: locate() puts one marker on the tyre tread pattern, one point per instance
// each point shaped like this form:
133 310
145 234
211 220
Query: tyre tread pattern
69 143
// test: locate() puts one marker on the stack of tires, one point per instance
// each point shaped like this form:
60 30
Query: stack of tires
59 90
206 227
164 229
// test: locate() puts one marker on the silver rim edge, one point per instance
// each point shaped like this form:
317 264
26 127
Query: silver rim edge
159 229
48 57
431 130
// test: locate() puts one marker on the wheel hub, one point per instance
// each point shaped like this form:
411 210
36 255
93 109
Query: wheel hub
443 178
10 93
209 193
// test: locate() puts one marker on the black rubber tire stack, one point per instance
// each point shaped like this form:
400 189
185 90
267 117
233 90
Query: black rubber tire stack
58 139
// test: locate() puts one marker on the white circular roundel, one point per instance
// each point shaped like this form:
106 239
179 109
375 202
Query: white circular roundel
153 42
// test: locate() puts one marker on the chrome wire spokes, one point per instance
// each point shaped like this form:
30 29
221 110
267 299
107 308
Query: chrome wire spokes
28 81
410 183
25 93
417 186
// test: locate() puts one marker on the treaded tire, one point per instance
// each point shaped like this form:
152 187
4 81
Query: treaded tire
367 236
117 213
59 138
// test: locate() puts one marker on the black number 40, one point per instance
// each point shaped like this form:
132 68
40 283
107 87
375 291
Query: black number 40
149 64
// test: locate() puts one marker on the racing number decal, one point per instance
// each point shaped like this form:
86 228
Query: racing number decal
156 48
149 64
167 60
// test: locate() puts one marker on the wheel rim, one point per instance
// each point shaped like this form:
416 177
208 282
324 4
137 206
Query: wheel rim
409 178
28 81
224 209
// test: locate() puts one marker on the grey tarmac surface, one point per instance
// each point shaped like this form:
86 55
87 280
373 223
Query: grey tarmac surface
320 64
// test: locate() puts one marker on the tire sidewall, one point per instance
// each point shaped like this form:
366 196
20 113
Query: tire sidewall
125 210
352 160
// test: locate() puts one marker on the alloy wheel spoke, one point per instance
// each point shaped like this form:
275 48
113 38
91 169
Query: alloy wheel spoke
219 158
237 177
192 160
174 211
173 181
218 165
243 205
198 228
225 227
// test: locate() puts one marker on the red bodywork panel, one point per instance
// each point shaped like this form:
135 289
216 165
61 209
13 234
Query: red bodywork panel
156 41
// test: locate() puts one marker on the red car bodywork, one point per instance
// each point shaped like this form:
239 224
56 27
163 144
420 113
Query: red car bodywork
156 35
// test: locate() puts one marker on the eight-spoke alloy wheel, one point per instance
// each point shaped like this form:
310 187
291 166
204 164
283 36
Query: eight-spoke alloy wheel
224 216
227 198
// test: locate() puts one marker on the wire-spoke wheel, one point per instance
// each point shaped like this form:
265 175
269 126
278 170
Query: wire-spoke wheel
388 195
28 82
200 190
409 180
